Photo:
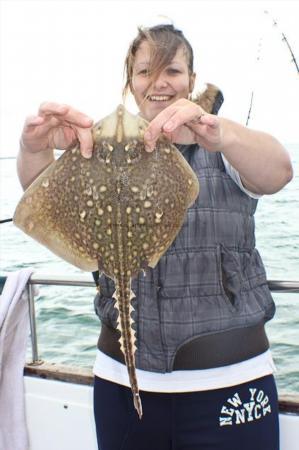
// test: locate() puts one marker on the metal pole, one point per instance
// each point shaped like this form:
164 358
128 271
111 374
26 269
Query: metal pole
35 359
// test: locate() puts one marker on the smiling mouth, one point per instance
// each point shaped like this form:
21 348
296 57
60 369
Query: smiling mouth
159 98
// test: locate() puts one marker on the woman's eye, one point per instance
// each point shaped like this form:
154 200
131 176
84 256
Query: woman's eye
143 72
173 71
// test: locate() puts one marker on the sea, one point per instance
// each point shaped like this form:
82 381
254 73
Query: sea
67 326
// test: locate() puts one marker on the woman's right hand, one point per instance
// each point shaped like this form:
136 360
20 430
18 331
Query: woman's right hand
57 126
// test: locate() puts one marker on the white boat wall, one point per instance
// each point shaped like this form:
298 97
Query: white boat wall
59 415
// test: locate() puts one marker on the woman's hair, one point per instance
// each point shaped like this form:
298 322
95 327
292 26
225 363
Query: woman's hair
164 41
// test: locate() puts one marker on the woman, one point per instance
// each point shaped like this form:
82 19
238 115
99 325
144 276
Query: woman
203 362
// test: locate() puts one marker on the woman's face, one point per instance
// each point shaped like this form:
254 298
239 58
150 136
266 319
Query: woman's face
173 83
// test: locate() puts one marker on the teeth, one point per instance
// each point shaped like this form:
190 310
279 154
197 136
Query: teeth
159 98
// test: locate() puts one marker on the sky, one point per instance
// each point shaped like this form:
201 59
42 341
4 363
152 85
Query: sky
73 52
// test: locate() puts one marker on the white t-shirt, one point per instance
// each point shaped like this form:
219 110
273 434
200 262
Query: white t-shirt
190 380
186 380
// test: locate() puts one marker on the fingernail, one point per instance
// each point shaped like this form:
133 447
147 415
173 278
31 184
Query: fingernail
87 154
148 148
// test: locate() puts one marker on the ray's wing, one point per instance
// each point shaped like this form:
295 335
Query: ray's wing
61 210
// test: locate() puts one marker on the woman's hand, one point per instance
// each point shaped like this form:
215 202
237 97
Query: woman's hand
184 122
57 126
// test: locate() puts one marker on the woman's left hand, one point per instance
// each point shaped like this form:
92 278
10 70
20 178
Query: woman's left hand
185 122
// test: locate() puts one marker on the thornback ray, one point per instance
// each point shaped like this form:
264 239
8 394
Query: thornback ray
118 211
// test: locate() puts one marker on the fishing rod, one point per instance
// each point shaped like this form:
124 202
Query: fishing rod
287 43
258 57
284 39
5 220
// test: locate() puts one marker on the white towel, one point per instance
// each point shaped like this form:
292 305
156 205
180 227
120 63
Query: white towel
14 332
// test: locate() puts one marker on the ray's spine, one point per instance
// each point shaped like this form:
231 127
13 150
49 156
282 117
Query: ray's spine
123 296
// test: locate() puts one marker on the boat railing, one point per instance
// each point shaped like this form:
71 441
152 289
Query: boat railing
276 286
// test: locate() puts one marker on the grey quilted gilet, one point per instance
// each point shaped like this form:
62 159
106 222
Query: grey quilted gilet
211 279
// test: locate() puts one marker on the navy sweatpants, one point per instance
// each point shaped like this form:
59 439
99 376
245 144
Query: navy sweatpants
243 417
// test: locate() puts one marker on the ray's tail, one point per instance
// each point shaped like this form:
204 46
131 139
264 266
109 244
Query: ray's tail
123 296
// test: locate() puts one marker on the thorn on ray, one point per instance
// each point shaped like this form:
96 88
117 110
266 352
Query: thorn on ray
115 296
